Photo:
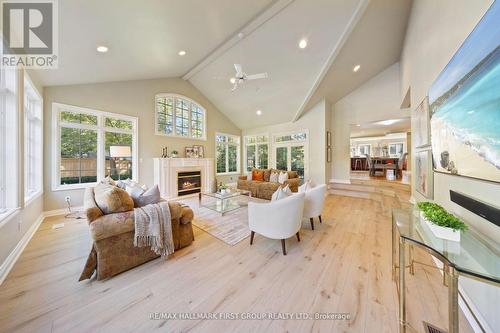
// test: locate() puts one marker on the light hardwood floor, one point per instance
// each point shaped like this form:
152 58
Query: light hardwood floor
342 266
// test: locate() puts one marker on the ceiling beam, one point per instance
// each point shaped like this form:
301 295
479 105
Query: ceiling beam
358 13
268 13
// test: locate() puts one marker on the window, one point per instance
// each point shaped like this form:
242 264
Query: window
227 149
33 139
8 141
396 149
291 152
90 145
256 152
179 116
364 149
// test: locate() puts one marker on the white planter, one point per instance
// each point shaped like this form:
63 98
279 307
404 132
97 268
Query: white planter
441 232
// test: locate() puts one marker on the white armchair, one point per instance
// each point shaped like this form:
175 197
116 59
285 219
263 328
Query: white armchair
279 219
314 201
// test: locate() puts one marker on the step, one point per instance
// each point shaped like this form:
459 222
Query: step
363 188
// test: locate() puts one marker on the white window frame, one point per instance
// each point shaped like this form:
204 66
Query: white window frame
256 144
9 186
238 154
101 129
395 144
290 144
364 145
175 97
29 197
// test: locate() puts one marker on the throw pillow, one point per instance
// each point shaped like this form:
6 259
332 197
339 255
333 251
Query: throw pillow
134 190
151 196
121 184
273 178
306 186
287 190
111 199
108 180
279 194
283 177
258 175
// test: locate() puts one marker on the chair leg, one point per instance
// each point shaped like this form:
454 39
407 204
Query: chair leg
252 233
320 219
312 223
298 236
283 247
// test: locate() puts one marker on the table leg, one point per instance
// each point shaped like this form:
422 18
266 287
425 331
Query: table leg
402 287
394 252
452 299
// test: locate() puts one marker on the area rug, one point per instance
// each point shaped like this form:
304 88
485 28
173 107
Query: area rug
231 228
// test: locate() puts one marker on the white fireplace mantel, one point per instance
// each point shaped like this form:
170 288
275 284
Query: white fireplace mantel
166 170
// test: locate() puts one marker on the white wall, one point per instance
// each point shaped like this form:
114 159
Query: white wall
435 32
133 98
315 122
16 226
377 99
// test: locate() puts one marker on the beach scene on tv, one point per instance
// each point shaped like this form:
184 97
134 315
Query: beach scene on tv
465 105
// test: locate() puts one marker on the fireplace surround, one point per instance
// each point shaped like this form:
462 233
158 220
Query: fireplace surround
167 173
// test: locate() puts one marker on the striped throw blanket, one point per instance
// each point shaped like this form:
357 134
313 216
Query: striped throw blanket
153 227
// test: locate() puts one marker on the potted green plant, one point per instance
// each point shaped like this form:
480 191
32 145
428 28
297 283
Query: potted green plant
441 223
223 188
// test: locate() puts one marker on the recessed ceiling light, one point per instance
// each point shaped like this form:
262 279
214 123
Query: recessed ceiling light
303 43
356 68
471 111
232 80
102 49
259 112
358 125
182 53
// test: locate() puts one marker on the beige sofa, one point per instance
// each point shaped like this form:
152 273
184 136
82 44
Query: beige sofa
265 189
113 249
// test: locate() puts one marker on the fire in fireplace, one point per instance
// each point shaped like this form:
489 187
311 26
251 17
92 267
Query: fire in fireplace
188 182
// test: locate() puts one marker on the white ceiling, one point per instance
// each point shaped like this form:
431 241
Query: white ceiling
273 48
144 37
373 129
375 44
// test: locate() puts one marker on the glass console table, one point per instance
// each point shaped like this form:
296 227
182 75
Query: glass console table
471 257
223 203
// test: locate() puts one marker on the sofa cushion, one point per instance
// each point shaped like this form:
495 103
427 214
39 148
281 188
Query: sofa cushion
258 175
150 196
111 199
118 223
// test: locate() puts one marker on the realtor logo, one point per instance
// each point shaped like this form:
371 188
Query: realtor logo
29 32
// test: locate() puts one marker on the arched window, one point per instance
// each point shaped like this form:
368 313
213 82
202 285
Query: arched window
178 115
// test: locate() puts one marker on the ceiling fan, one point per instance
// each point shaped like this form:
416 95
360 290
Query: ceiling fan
240 77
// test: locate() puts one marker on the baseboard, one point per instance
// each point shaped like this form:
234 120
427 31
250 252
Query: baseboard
62 211
14 255
340 181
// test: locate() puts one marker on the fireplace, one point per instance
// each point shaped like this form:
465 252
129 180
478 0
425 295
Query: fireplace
188 182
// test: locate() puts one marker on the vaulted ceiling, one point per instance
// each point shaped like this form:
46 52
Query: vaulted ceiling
144 39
